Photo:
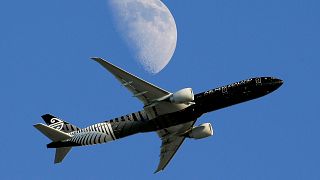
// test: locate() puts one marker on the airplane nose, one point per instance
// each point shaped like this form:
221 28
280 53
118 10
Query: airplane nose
277 82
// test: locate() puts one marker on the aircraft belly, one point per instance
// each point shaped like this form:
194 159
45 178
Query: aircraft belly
125 128
163 108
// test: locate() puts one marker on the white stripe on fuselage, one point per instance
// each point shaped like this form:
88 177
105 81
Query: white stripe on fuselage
111 131
94 134
103 132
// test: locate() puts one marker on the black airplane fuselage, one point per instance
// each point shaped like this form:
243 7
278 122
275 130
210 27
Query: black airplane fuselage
204 102
235 93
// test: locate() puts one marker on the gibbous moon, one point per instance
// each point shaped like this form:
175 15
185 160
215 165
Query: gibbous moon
149 30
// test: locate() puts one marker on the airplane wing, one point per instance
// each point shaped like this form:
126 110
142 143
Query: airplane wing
143 90
171 141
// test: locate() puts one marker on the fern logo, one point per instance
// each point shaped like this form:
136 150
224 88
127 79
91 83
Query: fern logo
56 123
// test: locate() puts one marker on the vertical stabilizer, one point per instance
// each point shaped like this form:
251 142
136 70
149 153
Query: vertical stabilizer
59 124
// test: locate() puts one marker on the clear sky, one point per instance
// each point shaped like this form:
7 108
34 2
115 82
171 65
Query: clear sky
45 68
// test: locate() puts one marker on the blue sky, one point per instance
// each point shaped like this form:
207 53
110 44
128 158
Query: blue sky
45 68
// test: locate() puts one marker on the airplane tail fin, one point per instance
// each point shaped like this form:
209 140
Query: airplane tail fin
55 135
59 124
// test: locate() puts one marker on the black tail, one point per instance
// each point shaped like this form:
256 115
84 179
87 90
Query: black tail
59 124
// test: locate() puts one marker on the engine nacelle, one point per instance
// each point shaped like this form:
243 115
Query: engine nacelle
201 131
182 96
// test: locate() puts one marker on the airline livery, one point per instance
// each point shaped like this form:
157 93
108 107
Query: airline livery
171 115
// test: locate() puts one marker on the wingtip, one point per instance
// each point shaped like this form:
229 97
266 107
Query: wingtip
158 170
96 58
56 162
105 63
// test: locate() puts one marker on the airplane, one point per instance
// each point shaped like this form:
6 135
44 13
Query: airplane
171 115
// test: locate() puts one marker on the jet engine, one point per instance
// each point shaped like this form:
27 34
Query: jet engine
201 131
182 96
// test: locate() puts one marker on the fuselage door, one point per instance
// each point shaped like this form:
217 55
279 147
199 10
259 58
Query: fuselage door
224 89
258 81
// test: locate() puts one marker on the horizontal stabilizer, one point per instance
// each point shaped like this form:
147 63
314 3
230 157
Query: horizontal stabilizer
51 133
61 153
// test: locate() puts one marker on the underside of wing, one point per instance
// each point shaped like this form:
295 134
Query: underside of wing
143 90
171 141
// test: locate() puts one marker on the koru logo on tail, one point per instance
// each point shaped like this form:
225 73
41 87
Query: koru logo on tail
56 123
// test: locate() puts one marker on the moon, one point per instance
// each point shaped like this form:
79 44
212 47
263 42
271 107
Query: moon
149 29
